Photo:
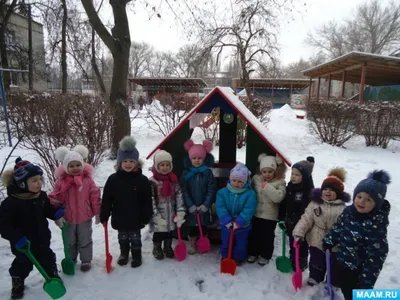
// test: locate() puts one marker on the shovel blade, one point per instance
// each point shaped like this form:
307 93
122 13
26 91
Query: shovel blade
203 245
297 280
283 264
228 266
54 288
68 266
180 251
108 262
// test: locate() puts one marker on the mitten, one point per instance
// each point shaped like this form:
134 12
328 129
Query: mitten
59 213
60 222
282 225
229 225
159 220
202 208
180 218
22 242
192 209
97 220
264 184
235 225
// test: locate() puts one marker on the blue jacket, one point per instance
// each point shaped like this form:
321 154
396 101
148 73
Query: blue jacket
237 207
199 190
362 242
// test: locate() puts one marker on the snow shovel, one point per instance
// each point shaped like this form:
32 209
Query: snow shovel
54 287
180 248
67 264
283 263
297 278
228 265
203 244
108 255
329 289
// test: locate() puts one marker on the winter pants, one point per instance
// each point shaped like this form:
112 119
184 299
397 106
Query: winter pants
303 253
80 241
348 280
22 266
130 238
261 238
194 231
239 250
158 237
318 266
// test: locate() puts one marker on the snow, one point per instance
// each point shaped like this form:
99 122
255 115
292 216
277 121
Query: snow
198 277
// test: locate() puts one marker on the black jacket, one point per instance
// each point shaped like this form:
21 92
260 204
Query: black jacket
26 217
127 197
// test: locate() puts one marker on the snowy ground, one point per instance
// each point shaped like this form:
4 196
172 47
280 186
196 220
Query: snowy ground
198 276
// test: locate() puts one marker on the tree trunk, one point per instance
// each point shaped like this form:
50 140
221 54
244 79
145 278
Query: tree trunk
96 71
64 71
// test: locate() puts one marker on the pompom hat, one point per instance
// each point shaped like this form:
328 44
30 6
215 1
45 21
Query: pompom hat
240 172
305 166
23 170
160 156
269 161
198 150
335 181
375 185
127 150
66 156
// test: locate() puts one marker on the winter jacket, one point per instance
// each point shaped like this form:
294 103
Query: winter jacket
81 202
362 242
21 217
269 197
127 197
319 218
294 205
199 190
236 205
165 207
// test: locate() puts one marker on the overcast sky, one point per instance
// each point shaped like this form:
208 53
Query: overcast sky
163 33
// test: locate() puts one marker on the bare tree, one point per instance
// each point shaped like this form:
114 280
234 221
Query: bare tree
374 28
295 69
191 60
141 55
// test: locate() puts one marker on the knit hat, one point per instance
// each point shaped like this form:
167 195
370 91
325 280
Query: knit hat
127 150
305 166
198 150
267 161
160 156
23 170
375 185
66 156
240 172
335 181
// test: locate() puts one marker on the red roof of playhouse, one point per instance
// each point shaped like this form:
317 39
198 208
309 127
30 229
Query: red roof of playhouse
239 107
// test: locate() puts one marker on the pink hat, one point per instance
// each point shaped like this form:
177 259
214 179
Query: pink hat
198 150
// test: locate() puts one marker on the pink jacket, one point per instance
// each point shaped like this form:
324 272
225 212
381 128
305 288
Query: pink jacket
81 203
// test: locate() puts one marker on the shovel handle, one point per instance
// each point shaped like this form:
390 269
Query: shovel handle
199 223
106 238
28 253
328 267
64 238
178 230
283 242
297 247
231 242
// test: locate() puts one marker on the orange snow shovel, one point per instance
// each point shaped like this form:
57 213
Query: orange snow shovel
108 254
203 244
228 265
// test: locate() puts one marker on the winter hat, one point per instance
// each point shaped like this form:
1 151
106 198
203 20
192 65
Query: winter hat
374 185
127 150
267 161
305 166
160 156
23 170
66 156
240 172
335 181
198 150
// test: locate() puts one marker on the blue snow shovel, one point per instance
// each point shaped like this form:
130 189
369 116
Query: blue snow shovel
329 289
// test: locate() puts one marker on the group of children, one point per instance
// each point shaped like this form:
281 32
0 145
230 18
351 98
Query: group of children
317 219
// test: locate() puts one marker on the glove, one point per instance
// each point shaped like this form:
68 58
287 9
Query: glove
60 222
282 225
229 225
264 184
159 220
97 220
202 209
22 242
180 218
59 213
235 225
192 209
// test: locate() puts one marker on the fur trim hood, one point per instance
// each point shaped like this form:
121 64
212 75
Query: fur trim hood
317 193
7 178
61 173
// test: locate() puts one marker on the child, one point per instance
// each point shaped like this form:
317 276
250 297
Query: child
76 191
360 234
198 188
23 217
270 186
127 197
293 206
327 203
167 202
236 206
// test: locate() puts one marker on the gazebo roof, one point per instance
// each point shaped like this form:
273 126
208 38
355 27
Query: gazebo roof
276 83
168 82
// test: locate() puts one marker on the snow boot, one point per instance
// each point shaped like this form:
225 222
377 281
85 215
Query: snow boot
263 261
18 287
86 266
252 259
124 256
192 245
136 258
157 251
169 252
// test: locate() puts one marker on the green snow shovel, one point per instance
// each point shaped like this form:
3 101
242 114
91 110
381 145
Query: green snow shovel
54 287
67 264
283 263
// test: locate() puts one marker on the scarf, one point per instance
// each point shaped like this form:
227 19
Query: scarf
26 195
168 179
194 171
71 180
236 191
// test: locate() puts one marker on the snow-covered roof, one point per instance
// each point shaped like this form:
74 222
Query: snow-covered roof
228 94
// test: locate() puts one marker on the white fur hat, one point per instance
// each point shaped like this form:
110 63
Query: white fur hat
160 156
267 161
66 156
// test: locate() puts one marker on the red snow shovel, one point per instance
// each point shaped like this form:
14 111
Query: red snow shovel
180 248
228 265
203 244
297 278
108 255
